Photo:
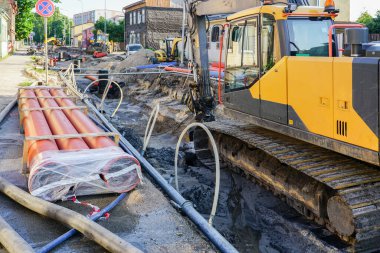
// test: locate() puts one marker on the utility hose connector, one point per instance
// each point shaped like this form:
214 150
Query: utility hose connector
217 165
150 126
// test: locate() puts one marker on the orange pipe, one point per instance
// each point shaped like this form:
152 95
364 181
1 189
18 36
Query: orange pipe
92 78
82 123
59 123
188 71
220 64
35 124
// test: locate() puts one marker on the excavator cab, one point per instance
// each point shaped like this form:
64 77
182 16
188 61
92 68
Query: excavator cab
283 68
256 45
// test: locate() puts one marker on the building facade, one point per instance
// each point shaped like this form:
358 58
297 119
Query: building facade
94 15
84 23
344 7
8 12
151 21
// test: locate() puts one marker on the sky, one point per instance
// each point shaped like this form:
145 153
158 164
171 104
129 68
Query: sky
70 7
359 6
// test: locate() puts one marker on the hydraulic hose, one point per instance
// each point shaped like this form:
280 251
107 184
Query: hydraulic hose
50 246
186 206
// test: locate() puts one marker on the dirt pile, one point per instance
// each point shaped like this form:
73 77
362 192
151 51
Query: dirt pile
120 64
142 57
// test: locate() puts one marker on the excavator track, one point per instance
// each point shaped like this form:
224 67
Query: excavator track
337 191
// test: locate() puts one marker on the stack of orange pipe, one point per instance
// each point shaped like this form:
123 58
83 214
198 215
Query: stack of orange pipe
70 121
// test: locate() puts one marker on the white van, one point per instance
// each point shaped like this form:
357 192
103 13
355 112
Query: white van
133 48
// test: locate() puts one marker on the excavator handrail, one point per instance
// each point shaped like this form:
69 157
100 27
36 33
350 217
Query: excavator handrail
292 14
331 29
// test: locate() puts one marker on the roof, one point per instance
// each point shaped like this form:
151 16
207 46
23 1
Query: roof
134 4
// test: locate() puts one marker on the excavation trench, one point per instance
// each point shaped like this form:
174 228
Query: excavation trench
248 215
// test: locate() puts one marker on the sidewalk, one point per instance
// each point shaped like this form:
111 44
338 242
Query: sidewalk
11 75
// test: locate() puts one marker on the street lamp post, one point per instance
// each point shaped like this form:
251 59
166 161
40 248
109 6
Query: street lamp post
82 15
105 17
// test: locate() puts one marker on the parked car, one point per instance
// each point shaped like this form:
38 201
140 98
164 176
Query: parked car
133 48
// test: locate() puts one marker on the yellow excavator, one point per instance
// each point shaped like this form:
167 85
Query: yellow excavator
171 48
55 41
296 113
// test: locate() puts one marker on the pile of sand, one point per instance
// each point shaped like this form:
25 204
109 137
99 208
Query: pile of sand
142 57
120 64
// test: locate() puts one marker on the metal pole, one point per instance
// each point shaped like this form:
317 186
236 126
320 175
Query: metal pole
183 33
105 17
81 44
46 52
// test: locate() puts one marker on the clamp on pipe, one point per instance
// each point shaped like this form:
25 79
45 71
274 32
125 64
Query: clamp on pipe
217 165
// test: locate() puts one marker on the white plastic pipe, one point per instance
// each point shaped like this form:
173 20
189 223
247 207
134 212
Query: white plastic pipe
150 126
105 94
217 165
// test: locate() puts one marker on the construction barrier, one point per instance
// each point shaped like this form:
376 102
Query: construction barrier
66 153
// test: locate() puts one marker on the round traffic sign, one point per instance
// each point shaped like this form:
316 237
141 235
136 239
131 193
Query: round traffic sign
45 8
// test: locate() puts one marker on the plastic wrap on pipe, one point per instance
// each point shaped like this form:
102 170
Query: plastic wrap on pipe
82 123
58 175
72 168
59 123
35 124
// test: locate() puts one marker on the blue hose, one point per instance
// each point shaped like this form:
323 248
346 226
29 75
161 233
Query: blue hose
48 247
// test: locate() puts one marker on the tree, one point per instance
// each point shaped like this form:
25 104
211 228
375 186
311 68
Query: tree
115 30
373 23
58 26
365 19
25 18
376 23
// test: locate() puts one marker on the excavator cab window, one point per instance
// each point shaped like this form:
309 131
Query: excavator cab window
268 48
242 68
309 36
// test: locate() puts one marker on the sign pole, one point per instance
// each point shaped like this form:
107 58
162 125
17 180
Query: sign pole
46 52
45 8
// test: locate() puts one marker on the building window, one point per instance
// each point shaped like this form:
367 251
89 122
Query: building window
138 17
138 38
134 18
130 18
143 16
132 37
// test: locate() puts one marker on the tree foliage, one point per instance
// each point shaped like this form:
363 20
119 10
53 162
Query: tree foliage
115 30
373 23
58 26
25 18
